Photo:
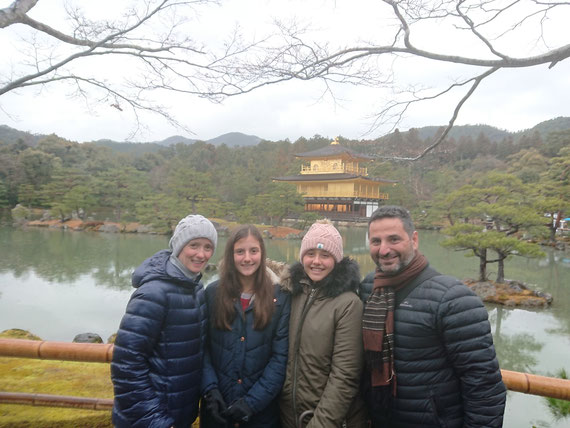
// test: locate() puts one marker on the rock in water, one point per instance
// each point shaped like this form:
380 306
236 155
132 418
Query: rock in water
87 338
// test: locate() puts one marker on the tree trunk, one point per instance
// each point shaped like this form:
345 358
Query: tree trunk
555 226
501 270
497 333
552 235
483 265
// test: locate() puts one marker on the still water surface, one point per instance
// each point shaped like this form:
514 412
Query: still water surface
57 284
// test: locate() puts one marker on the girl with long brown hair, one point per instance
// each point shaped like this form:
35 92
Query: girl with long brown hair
246 349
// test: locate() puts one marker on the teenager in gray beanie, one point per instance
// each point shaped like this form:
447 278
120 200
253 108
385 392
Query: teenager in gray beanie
157 358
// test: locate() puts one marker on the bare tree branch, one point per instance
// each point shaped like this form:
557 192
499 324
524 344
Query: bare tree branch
441 138
170 52
292 54
15 12
170 61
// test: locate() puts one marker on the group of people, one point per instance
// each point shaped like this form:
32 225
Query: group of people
311 346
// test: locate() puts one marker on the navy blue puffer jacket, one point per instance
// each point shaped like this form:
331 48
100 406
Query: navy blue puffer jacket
447 373
249 363
157 359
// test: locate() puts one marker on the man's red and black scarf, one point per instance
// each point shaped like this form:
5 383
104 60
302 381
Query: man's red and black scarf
378 321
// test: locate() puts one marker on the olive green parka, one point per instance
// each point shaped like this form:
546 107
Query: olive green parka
325 349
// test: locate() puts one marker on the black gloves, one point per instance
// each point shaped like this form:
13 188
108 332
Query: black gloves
216 405
239 411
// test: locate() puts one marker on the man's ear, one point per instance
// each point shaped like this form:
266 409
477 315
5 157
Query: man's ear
415 240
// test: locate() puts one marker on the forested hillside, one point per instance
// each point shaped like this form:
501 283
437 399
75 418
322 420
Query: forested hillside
233 139
158 187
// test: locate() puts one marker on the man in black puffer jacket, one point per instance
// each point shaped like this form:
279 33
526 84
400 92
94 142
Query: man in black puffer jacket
429 354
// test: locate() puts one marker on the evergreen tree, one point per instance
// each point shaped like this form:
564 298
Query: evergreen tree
80 200
479 242
161 211
4 202
187 184
496 210
120 189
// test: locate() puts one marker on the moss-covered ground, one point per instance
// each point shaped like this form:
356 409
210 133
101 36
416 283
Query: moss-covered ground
53 377
59 378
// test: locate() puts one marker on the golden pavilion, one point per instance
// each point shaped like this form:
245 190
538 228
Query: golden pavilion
334 183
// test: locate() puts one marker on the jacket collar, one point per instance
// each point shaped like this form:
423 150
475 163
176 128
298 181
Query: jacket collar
159 267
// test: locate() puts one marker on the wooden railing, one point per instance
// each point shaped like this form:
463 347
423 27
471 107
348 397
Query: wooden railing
63 351
102 353
537 385
50 400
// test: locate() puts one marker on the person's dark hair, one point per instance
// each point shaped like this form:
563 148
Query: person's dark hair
394 211
230 288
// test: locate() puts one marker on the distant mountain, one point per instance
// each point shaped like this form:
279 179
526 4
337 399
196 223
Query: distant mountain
458 131
175 139
11 136
495 134
234 139
543 128
136 148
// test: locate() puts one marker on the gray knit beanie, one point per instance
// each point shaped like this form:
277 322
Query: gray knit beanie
324 236
192 227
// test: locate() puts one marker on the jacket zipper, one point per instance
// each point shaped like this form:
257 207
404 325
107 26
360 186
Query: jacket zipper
306 307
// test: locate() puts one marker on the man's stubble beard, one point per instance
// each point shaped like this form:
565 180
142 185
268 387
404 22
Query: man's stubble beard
401 266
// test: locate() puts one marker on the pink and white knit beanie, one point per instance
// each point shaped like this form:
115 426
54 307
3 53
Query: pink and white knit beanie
322 235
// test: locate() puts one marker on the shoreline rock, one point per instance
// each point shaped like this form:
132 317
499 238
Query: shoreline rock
511 293
273 232
87 338
18 333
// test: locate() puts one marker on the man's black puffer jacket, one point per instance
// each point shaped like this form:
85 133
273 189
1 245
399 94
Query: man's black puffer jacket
447 372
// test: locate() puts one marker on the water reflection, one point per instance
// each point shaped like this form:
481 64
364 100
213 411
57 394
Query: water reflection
59 283
63 257
518 351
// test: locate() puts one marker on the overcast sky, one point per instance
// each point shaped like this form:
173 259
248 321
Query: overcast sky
510 99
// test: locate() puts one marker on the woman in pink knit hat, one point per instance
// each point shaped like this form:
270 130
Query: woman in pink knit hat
325 335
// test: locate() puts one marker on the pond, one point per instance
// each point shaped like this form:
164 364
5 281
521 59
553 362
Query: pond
57 284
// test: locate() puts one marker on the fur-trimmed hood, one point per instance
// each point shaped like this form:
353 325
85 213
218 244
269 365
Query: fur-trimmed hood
344 277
